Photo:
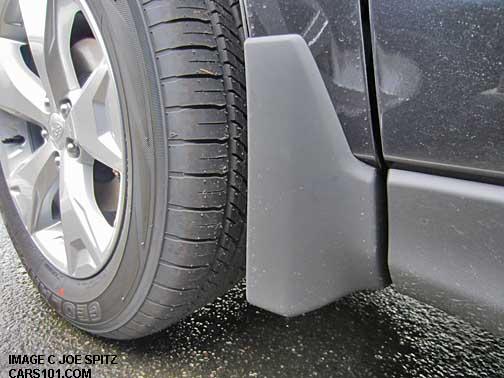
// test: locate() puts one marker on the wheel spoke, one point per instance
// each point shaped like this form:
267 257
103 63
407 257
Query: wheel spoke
96 118
52 237
48 25
21 92
31 183
85 229
57 75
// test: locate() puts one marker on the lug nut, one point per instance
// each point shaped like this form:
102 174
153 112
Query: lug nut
65 108
72 149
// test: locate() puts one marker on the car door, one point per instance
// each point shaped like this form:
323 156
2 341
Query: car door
439 79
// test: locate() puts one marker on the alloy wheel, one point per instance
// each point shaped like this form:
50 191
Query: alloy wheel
63 146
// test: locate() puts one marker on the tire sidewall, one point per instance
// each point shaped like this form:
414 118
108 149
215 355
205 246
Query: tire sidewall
106 301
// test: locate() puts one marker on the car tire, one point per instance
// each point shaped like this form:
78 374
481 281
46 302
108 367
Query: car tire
181 80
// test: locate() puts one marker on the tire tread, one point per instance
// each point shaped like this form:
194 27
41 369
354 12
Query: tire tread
198 51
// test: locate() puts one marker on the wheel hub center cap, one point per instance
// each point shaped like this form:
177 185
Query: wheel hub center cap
56 127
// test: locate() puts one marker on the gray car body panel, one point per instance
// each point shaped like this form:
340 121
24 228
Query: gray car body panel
314 209
440 78
439 75
333 31
439 109
445 244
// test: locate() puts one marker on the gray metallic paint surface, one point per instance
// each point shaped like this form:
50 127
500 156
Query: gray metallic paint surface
440 75
445 244
333 31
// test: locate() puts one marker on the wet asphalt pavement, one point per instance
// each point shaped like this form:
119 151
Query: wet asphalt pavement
381 334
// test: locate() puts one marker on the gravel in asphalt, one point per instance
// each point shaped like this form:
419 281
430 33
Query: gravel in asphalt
382 334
